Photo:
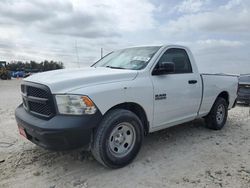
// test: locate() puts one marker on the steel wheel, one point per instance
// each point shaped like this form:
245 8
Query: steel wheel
220 113
118 138
122 139
217 116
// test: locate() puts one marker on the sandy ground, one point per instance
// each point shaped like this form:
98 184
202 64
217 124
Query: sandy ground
188 155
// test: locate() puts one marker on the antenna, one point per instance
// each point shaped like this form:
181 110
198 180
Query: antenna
77 56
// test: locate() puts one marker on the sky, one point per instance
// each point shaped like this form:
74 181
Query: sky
74 31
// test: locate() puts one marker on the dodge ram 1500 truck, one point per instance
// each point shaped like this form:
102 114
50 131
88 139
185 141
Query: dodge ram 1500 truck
113 104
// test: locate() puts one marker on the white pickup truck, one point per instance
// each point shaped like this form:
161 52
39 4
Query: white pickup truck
113 104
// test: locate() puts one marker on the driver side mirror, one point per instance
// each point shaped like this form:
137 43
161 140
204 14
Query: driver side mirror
164 68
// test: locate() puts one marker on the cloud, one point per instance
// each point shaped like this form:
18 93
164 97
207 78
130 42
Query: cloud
24 12
232 4
49 29
92 19
212 43
216 56
80 25
219 37
217 31
191 6
222 22
79 18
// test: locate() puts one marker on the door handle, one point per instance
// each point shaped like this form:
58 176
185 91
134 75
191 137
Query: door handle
192 81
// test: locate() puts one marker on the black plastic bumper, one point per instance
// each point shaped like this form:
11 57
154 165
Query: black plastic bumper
61 132
244 98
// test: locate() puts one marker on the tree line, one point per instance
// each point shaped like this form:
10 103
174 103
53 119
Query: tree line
34 66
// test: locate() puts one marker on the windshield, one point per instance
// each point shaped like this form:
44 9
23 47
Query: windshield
130 58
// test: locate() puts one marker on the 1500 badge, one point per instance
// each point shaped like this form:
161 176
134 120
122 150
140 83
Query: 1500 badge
160 96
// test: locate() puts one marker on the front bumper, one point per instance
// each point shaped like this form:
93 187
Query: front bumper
61 132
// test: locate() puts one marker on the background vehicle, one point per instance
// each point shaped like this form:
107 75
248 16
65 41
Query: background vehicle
18 74
112 105
4 73
244 89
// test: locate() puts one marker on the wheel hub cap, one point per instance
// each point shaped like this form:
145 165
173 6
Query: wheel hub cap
220 114
119 138
122 139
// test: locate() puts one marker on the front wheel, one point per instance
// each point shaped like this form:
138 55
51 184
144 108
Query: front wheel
118 138
217 117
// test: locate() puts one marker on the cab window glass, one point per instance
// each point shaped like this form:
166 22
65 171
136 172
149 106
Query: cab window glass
180 59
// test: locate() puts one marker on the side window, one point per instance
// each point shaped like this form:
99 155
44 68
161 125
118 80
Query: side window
180 59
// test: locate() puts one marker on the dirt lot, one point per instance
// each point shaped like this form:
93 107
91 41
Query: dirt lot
188 155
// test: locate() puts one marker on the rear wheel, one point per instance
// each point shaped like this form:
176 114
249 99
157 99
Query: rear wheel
118 138
217 117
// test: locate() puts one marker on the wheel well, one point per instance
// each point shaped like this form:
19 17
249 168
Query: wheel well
224 95
138 110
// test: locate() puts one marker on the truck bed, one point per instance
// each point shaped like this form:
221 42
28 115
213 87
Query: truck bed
213 85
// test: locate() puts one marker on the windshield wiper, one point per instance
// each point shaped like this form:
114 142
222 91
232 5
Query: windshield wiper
114 67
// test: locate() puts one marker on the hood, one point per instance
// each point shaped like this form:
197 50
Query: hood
66 80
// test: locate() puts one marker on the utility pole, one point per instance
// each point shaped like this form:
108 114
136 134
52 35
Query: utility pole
77 56
101 53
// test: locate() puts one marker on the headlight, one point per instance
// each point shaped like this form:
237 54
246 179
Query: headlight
75 104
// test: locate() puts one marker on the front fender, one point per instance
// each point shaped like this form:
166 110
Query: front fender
106 96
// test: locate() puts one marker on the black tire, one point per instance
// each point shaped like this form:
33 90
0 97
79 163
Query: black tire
4 77
103 136
213 119
9 77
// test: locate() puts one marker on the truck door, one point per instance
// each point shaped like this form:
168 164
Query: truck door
177 94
